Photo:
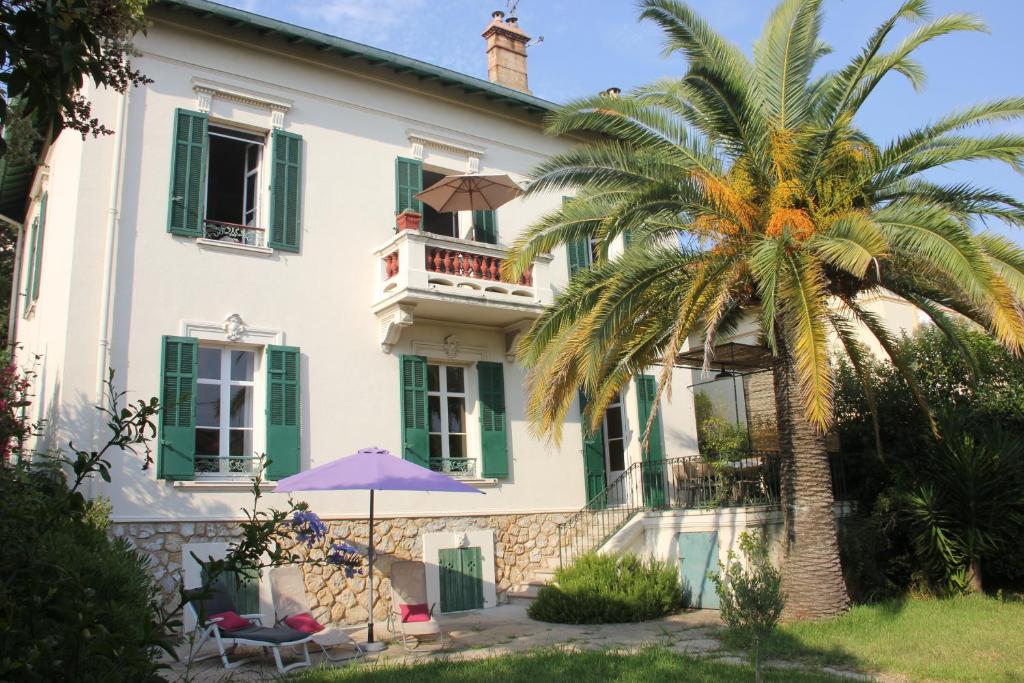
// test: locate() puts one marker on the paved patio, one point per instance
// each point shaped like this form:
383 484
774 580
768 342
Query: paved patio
491 632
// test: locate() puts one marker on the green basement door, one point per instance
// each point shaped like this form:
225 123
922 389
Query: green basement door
461 578
698 555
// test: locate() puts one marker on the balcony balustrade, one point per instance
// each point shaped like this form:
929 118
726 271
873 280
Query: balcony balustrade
449 279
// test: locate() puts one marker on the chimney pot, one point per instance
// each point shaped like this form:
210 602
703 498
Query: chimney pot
613 92
497 15
512 21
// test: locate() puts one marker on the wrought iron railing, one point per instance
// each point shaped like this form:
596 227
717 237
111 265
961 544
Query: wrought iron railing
693 482
457 467
226 466
222 231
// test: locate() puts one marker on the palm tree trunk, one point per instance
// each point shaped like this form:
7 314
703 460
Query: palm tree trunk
812 576
976 582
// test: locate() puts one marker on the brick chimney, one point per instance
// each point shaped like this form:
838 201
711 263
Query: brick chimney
506 52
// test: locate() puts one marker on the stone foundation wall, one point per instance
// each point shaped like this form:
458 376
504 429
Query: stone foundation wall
523 544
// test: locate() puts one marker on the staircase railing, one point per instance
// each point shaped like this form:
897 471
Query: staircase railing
692 482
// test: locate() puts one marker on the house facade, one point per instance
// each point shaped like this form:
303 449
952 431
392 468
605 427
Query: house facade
246 247
233 249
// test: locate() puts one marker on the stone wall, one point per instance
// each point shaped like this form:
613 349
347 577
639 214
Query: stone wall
523 544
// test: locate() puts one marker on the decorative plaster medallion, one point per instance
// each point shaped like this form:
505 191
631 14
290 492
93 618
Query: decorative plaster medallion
234 327
451 346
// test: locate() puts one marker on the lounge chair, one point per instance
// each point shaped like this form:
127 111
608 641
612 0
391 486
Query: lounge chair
409 618
253 634
288 591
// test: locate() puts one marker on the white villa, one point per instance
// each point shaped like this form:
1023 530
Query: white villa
234 249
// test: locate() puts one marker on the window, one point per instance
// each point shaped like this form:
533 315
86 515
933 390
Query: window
218 176
224 411
233 186
438 222
614 438
446 409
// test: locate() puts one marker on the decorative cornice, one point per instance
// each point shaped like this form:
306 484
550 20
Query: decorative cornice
444 144
206 90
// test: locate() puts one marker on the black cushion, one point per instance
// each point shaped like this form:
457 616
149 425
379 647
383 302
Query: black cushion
279 635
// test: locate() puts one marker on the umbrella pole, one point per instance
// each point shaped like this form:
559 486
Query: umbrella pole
370 644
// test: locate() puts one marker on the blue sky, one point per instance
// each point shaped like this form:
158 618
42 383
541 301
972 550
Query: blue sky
591 45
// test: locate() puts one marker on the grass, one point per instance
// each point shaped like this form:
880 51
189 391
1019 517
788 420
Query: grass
973 638
648 666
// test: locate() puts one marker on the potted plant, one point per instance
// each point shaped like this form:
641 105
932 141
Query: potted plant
408 220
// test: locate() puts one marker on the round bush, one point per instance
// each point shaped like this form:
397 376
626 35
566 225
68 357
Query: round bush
75 605
609 589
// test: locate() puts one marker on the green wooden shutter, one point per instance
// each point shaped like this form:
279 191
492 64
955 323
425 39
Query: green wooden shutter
653 455
579 255
627 239
493 431
415 435
285 191
594 472
177 445
188 174
283 424
578 250
37 248
242 589
29 264
485 224
408 183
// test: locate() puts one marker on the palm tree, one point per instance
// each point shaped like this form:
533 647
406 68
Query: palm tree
748 193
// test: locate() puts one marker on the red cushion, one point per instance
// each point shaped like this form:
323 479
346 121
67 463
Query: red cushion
303 622
230 621
418 612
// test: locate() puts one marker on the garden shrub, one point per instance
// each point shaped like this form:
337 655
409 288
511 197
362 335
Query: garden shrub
609 589
750 593
75 605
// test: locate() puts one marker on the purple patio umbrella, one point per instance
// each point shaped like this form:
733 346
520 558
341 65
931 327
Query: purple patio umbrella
372 469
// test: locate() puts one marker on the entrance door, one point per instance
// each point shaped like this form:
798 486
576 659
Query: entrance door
461 578
698 555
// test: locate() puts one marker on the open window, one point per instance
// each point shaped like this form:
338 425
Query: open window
438 222
233 186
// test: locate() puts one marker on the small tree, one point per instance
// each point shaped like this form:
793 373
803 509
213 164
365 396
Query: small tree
751 594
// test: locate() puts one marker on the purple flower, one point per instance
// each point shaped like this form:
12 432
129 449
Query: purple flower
308 527
346 558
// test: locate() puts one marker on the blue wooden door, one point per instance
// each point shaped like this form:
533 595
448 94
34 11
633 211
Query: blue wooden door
698 555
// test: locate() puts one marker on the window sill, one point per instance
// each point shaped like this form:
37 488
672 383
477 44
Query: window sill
233 246
223 485
479 482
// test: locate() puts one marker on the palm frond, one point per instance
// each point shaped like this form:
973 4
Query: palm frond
784 57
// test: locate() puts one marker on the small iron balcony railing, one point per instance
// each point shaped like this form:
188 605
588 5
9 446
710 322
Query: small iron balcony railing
222 231
461 468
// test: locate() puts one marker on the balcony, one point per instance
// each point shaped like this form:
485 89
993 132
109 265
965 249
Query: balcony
426 276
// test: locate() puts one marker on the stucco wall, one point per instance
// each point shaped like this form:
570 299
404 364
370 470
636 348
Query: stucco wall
354 123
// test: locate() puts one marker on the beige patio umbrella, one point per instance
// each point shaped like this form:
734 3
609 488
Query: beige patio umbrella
470 192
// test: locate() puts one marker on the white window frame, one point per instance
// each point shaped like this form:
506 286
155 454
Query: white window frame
255 225
226 383
468 402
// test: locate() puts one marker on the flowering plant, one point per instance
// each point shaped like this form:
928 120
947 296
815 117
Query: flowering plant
308 527
347 558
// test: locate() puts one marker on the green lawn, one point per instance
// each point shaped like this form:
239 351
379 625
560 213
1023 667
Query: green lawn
649 666
972 638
